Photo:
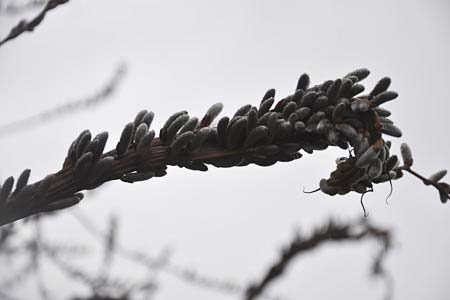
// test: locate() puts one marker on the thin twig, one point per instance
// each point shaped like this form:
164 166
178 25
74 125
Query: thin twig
104 94
25 26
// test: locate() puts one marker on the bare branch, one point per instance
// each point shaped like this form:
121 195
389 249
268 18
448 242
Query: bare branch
15 9
25 26
99 97
328 114
351 232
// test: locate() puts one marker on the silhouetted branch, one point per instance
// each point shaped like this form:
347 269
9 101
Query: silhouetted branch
15 9
71 107
328 114
331 232
25 26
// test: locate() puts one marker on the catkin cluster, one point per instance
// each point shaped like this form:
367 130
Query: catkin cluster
313 118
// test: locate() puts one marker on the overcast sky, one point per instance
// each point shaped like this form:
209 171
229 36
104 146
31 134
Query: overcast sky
231 223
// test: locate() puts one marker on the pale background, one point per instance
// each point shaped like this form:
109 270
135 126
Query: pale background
231 223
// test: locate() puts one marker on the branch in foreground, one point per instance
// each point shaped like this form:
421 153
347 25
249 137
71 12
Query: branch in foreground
25 26
313 118
331 232
71 107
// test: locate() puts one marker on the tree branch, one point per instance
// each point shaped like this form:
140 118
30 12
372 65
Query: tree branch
25 26
313 118
99 97
332 232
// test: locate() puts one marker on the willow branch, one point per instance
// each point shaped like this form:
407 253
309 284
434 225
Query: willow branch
313 118
332 232
25 25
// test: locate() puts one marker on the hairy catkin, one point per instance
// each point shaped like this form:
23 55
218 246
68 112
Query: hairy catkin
146 142
83 141
22 181
303 82
406 153
180 142
381 86
125 139
5 190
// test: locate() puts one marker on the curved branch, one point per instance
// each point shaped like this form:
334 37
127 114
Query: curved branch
352 232
313 118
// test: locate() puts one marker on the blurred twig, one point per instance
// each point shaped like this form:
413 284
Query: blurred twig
330 232
25 25
71 107
15 9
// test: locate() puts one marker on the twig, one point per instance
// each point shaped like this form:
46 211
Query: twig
14 9
25 26
331 232
104 94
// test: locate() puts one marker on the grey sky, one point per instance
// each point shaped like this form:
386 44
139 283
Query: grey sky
190 54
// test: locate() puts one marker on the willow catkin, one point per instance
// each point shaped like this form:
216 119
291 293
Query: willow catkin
269 94
381 86
265 106
103 167
137 176
382 112
222 126
138 118
256 135
190 125
332 92
5 190
242 110
180 142
83 166
391 129
169 121
288 110
148 118
236 133
344 90
141 130
436 177
252 119
303 113
175 126
367 157
383 97
360 74
22 180
63 203
406 153
199 138
45 186
211 114
303 82
145 142
82 142
102 139
347 130
125 139
355 90
308 99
